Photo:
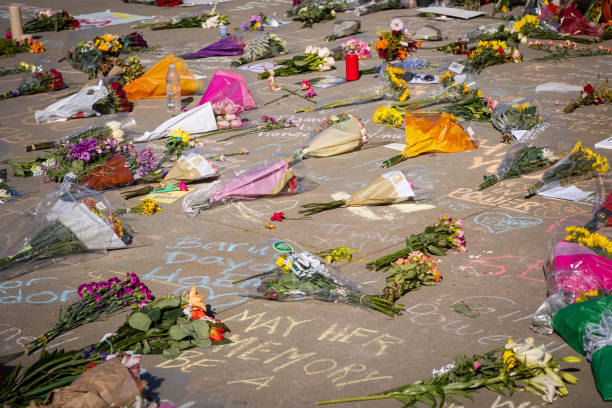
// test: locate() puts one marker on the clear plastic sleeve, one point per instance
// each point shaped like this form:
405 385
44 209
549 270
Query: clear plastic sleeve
517 118
363 7
266 179
78 105
300 275
602 204
70 220
80 51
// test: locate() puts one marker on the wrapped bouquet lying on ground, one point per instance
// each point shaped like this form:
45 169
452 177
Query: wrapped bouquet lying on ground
299 274
515 367
265 179
166 326
437 238
392 187
70 220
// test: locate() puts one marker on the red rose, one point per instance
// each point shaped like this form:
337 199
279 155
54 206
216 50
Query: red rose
75 23
115 85
216 333
122 101
588 88
38 75
469 54
500 51
120 92
57 85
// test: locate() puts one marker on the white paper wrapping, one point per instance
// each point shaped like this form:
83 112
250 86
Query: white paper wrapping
66 108
402 186
86 226
200 119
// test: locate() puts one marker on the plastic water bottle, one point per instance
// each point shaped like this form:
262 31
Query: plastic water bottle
173 90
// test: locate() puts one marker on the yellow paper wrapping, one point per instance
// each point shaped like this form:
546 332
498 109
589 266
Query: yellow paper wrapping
190 167
286 178
340 138
435 133
153 83
392 187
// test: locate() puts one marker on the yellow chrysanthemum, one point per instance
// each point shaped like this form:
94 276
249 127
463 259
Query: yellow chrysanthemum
181 134
479 93
508 357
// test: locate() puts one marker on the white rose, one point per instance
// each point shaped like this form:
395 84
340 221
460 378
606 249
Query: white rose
523 40
309 50
113 124
329 60
118 135
323 52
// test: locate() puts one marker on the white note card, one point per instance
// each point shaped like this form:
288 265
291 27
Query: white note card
396 146
571 193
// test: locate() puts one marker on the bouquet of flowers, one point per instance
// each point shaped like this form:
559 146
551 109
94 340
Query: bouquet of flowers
165 326
567 49
531 26
517 366
261 47
489 53
70 220
256 22
395 85
578 164
85 57
390 188
210 19
522 158
22 67
10 47
227 114
444 235
90 101
508 118
231 45
316 12
50 20
352 46
336 135
431 133
262 180
410 273
502 6
299 274
99 300
101 128
108 45
135 42
39 83
598 243
452 91
314 59
396 43
458 47
601 93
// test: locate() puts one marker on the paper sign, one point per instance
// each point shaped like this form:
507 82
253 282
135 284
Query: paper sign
571 193
456 68
259 67
470 131
326 81
107 18
418 79
453 12
604 144
166 198
396 146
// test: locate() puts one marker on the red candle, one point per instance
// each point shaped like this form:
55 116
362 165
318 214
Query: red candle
352 67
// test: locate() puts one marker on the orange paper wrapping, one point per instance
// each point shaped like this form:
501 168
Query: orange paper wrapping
114 172
153 83
435 133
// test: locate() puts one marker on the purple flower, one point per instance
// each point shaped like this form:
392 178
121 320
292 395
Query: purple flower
147 163
86 353
83 150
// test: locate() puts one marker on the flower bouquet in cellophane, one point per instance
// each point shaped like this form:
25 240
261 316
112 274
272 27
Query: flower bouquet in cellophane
262 46
522 158
300 274
267 179
314 59
513 367
580 163
511 118
336 135
431 133
390 188
70 220
94 100
396 43
39 82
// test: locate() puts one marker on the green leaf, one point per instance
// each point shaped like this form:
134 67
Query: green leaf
205 343
146 348
171 352
177 332
201 329
434 250
167 302
172 314
139 321
300 63
154 315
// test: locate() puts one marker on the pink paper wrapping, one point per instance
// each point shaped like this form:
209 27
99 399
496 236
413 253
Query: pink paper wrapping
227 84
580 269
254 183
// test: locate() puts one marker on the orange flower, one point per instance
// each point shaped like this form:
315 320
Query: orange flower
381 45
419 43
401 55
216 333
37 48
197 314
